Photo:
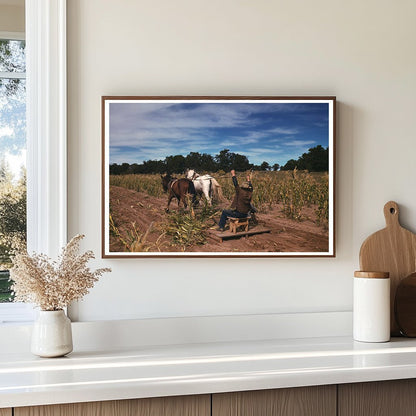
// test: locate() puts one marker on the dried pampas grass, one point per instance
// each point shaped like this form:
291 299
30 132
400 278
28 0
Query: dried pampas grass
53 285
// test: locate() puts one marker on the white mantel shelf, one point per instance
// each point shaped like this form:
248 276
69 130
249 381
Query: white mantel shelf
148 371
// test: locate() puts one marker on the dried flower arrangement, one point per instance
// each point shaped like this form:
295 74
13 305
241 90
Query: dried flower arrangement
52 285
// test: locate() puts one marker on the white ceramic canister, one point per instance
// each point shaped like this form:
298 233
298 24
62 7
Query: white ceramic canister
371 309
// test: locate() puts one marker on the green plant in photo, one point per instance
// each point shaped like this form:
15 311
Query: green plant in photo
184 229
322 202
188 227
135 240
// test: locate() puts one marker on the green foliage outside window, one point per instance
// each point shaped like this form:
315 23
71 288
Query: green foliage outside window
12 224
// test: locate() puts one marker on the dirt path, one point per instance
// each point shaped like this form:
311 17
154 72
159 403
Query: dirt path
148 214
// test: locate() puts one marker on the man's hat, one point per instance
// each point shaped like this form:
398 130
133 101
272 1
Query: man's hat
245 185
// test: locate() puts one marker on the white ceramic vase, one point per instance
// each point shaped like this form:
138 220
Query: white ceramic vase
52 334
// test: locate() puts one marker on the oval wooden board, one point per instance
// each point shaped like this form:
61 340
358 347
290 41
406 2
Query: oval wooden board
392 250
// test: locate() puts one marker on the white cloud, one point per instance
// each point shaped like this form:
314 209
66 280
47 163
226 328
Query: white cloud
299 143
126 119
15 162
6 131
283 131
133 122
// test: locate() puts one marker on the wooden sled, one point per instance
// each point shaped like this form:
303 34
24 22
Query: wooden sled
236 223
226 235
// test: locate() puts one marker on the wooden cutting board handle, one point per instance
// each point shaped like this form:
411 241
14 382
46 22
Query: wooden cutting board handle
391 214
393 250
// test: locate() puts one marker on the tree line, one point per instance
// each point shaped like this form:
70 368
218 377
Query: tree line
315 160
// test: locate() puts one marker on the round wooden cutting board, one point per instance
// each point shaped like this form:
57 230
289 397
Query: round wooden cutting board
405 306
393 250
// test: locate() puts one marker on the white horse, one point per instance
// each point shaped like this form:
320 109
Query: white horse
206 185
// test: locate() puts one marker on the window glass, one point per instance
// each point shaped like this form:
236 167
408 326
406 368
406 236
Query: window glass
12 156
12 55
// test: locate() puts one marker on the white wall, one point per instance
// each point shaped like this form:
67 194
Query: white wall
361 51
12 17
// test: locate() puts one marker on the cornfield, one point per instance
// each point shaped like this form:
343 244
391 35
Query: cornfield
151 184
292 190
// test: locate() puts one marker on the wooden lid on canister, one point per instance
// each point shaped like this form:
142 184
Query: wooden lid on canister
372 275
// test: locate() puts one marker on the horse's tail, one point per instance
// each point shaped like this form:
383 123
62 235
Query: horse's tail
191 187
216 190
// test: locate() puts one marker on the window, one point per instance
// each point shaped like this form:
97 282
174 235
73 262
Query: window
12 154
46 135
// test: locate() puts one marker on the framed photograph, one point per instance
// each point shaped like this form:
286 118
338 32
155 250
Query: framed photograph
218 176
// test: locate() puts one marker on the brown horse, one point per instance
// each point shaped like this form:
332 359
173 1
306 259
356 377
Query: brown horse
180 189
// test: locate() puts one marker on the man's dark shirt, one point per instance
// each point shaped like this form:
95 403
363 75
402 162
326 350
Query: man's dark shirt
242 198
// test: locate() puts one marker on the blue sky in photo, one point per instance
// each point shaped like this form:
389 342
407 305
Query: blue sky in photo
262 131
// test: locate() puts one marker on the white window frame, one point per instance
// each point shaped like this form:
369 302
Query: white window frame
46 135
46 125
12 35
